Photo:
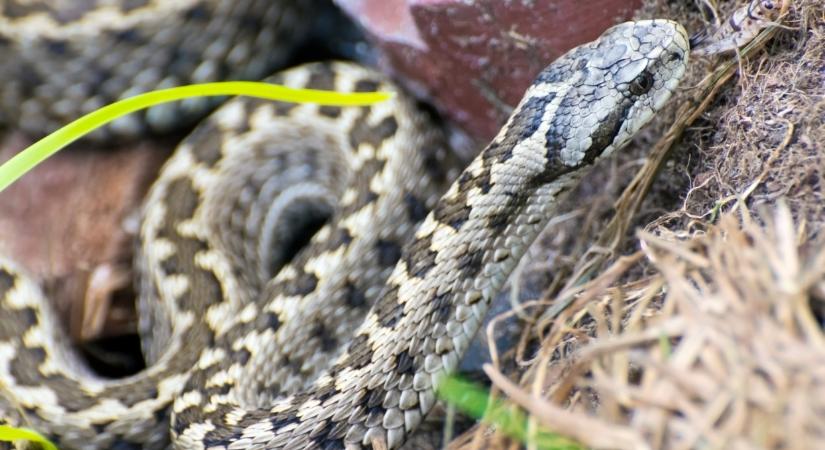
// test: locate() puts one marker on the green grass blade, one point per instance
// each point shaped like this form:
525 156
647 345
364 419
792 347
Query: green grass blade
42 149
11 434
474 401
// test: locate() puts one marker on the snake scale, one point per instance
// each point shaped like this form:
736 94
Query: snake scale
344 344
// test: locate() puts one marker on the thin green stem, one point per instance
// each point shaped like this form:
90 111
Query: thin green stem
11 434
42 149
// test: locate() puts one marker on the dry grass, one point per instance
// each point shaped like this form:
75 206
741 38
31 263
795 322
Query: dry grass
708 333
734 358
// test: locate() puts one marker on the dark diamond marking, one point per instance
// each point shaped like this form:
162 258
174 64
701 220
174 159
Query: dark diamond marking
328 341
353 296
243 356
419 257
442 307
303 285
330 111
268 321
366 86
470 263
404 363
416 210
388 252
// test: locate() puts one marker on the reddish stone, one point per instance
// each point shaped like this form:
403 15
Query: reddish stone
474 59
64 223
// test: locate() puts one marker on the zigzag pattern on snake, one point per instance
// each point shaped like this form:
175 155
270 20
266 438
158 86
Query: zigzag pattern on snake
344 345
62 59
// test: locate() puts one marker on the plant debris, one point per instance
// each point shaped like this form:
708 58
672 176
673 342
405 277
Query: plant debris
708 332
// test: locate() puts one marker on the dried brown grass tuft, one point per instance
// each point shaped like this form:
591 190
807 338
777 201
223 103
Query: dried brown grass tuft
710 334
734 358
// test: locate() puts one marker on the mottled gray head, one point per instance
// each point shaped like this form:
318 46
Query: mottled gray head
594 98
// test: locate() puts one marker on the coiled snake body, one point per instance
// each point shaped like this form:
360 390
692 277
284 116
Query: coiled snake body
344 345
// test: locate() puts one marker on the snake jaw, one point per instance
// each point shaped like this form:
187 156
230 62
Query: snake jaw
646 74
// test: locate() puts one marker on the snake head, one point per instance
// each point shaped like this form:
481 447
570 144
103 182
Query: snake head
594 98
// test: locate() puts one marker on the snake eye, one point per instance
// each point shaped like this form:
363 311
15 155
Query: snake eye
641 84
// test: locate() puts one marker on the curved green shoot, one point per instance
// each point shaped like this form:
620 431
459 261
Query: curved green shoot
11 434
475 401
42 149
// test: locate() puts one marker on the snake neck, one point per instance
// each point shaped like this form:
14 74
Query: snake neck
381 387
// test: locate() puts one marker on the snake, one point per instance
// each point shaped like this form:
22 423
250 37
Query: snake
254 342
60 59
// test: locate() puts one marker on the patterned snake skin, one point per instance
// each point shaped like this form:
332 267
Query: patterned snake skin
343 345
60 59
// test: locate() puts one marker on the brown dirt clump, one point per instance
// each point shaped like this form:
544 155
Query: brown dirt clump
763 138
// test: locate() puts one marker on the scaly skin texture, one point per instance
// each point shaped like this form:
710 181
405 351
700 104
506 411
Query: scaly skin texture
62 59
344 346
